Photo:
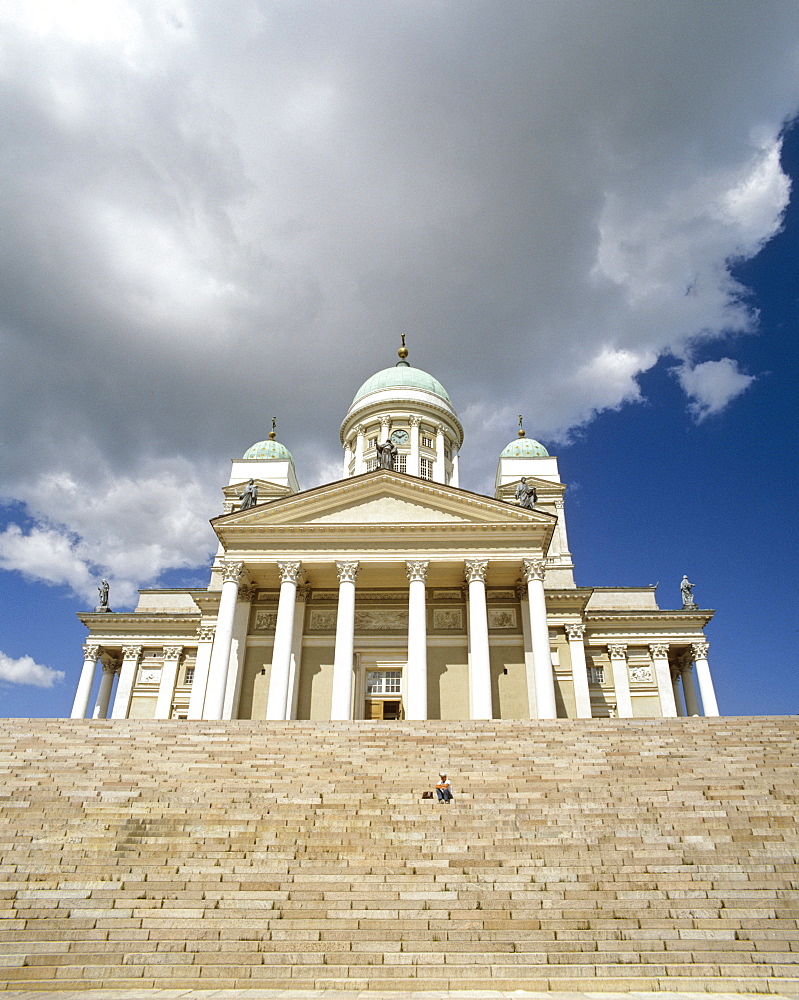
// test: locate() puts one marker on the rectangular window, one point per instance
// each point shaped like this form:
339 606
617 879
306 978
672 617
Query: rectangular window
383 681
371 443
596 675
428 442
426 468
188 677
447 454
400 463
371 464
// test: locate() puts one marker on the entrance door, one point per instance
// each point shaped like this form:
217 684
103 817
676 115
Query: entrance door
383 692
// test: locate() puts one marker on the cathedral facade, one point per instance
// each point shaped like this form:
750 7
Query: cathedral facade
394 593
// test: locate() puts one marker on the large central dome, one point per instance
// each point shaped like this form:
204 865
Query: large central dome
402 376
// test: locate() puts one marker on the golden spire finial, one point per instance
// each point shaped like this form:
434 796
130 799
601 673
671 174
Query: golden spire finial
272 434
521 429
403 351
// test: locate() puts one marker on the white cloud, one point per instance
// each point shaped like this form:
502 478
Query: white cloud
124 529
712 385
26 671
213 215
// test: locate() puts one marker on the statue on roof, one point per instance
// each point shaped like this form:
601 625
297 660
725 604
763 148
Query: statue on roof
249 498
526 495
386 454
102 590
686 590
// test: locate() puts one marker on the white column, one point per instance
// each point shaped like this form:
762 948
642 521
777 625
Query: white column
456 479
533 572
413 467
238 649
106 683
527 638
416 674
359 463
341 701
675 687
582 695
699 653
277 702
80 706
303 593
660 662
479 657
440 465
223 638
205 641
689 690
131 655
169 676
621 680
385 429
347 458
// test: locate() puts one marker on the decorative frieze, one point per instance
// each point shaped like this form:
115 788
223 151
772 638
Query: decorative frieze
502 618
641 674
448 619
379 620
267 620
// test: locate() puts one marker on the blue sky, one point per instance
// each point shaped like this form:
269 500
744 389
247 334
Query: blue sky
584 212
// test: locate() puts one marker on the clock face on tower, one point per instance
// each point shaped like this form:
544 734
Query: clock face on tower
400 437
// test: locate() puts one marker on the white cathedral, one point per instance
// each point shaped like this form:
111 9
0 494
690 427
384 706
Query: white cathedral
394 593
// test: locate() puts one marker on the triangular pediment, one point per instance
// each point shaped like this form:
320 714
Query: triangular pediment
381 498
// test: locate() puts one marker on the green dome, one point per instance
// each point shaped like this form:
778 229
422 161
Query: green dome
524 448
402 376
268 449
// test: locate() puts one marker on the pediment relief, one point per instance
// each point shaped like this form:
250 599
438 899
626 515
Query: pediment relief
388 510
383 499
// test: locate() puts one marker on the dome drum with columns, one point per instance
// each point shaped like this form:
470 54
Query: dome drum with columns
394 593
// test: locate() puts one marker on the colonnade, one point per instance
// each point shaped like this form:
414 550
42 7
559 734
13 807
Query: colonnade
354 452
211 698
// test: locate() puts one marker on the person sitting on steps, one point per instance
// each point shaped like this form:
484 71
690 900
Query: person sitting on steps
444 788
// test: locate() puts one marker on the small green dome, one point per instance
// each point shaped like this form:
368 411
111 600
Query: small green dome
524 447
402 376
268 449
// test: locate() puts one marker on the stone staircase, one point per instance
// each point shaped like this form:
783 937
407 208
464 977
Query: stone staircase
601 854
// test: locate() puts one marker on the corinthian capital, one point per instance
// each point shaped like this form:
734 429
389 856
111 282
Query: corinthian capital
173 652
205 633
575 631
659 650
699 650
347 571
289 571
533 569
417 570
476 570
132 652
617 651
91 651
231 571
